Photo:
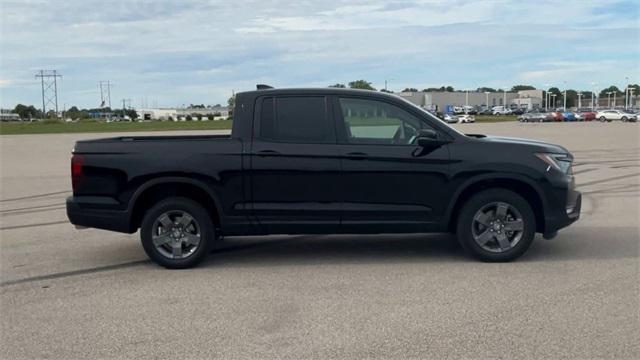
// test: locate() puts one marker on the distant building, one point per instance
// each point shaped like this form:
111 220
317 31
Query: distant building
218 112
8 115
442 100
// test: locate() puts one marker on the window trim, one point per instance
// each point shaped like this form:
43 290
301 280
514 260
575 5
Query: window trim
340 123
257 128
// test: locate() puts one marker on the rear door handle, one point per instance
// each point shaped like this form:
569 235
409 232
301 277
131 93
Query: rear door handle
357 156
267 153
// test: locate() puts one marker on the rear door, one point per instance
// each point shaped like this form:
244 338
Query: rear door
295 169
389 183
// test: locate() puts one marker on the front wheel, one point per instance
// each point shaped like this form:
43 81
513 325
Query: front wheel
177 233
496 225
624 119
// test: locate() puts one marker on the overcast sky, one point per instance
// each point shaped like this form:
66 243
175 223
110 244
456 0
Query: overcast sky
187 51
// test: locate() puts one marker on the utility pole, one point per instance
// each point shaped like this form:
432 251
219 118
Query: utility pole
49 85
105 93
609 99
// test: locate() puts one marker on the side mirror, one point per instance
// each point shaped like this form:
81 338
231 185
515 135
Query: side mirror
430 138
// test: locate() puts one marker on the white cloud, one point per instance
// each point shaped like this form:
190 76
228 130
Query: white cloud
194 51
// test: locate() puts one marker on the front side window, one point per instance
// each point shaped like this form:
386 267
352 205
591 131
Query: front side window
377 122
296 119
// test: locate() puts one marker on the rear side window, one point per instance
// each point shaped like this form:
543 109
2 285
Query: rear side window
296 119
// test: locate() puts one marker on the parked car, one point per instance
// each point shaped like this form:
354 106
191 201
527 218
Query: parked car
535 116
517 111
609 115
450 118
466 119
557 116
470 110
585 116
500 110
291 166
569 116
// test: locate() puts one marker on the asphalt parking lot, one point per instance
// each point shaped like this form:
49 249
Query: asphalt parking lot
70 294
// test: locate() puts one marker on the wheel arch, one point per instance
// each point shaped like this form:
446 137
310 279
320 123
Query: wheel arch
518 184
161 188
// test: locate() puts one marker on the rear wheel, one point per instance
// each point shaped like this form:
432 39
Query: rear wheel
177 233
603 119
496 225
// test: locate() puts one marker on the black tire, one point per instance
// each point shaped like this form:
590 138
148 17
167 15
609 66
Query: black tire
624 119
202 218
483 199
603 119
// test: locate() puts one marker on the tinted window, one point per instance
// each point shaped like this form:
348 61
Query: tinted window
377 122
295 119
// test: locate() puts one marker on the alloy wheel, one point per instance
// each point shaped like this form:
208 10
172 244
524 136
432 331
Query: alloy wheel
497 227
176 234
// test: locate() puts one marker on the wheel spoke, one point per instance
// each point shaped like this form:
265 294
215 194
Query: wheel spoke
484 237
192 239
501 210
515 225
161 239
185 220
503 242
165 221
176 250
483 218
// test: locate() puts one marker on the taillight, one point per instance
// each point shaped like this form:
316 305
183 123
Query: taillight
77 175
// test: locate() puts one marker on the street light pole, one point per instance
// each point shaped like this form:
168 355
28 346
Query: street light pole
614 99
487 101
466 101
553 102
579 100
609 99
504 97
626 92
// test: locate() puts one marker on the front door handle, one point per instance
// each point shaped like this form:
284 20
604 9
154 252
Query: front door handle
267 153
357 155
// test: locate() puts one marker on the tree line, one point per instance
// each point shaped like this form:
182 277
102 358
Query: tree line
27 112
31 112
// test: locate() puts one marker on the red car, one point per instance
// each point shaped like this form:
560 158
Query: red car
557 116
588 116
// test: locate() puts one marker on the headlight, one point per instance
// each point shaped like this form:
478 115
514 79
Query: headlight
560 162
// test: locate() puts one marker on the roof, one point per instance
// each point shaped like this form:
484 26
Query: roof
318 91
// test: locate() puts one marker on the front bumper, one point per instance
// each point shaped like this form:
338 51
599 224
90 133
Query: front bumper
565 213
98 212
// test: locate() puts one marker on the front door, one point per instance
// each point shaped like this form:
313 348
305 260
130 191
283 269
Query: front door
295 168
389 183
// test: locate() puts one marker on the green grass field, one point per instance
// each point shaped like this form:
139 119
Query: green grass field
48 127
53 127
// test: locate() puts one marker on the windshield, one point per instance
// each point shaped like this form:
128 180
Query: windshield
431 116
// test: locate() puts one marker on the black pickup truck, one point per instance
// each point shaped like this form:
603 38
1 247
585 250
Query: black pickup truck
323 161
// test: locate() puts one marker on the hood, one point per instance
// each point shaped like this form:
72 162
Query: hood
536 145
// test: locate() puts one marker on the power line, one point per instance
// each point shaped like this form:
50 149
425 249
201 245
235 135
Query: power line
105 93
49 85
